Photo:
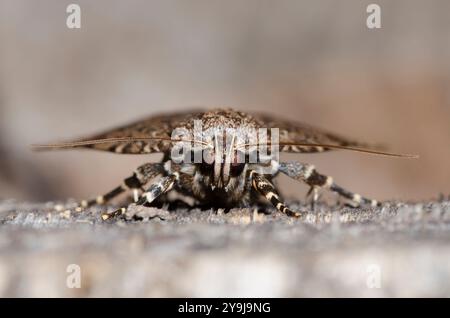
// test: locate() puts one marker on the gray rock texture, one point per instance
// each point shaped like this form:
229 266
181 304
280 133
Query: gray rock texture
399 249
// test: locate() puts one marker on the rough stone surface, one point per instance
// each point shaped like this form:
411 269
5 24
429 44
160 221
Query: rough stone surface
399 249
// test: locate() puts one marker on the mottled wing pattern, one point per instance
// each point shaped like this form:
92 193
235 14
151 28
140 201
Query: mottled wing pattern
292 133
160 126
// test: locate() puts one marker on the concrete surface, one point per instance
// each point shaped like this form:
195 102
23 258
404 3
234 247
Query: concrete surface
399 249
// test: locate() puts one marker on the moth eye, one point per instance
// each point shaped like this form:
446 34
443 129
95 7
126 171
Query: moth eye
206 167
236 168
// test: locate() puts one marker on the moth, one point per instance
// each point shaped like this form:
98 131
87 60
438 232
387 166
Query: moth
224 177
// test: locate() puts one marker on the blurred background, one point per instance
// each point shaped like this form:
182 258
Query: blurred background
312 61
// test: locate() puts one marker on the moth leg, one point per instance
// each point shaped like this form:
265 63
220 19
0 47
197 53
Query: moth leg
307 173
140 177
153 192
158 188
267 189
313 195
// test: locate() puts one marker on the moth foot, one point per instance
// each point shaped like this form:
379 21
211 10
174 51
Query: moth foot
114 214
294 214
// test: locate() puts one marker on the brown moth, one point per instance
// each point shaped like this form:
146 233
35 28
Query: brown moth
224 177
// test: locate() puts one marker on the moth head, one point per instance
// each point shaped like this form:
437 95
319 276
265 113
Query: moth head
221 164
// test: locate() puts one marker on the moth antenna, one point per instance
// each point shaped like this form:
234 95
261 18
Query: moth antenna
349 148
82 143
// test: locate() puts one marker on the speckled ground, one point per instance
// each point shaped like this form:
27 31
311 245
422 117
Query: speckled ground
398 249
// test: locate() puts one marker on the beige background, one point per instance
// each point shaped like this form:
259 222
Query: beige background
314 61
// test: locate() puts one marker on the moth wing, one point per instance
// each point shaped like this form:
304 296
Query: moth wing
153 135
155 132
298 137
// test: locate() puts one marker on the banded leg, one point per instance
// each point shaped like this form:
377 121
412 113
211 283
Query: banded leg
140 177
267 189
153 192
308 174
157 189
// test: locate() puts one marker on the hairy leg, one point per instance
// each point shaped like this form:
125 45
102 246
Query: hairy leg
140 177
307 173
154 191
267 189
